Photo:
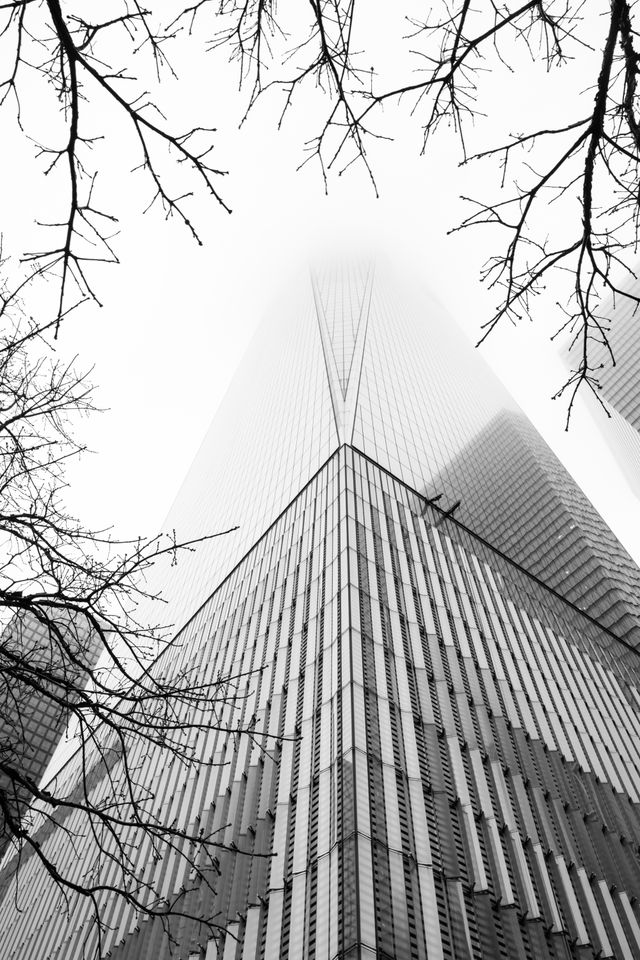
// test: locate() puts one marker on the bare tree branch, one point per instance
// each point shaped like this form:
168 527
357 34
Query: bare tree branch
75 656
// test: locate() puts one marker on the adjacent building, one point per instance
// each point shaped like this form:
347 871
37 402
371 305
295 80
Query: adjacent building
620 360
31 724
616 367
445 757
514 491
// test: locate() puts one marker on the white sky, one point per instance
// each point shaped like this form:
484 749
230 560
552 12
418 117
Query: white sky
176 317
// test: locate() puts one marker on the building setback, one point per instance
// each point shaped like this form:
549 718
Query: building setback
446 755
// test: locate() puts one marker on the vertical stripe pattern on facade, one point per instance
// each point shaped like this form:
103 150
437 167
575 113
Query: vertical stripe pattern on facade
444 761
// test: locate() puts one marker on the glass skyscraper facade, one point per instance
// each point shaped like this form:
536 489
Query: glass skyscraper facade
445 759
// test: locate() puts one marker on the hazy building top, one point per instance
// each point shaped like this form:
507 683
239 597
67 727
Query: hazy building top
352 356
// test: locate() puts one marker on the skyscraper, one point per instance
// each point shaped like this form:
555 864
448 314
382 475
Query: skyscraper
618 416
446 761
31 725
620 379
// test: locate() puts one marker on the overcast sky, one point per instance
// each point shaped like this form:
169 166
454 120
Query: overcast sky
176 317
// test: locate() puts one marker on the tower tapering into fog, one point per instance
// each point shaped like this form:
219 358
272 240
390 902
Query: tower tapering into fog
355 359
452 768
